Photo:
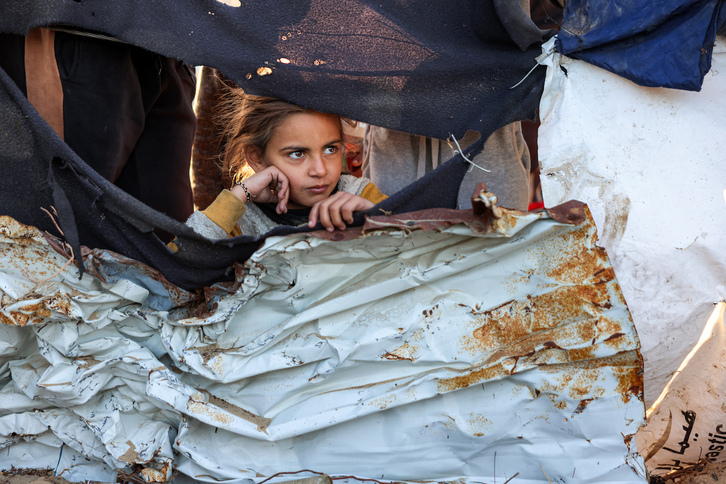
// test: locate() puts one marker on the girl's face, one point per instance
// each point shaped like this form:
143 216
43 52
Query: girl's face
307 148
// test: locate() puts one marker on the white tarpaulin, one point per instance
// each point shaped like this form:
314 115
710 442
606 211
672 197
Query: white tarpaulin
438 346
687 424
651 165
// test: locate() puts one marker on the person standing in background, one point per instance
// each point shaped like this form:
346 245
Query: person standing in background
127 112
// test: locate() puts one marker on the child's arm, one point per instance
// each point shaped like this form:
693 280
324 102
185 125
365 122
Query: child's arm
220 218
267 186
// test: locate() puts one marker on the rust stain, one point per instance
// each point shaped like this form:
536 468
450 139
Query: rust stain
568 314
130 455
582 405
22 319
614 336
20 233
196 407
477 376
571 256
585 353
576 384
383 402
392 356
208 352
38 308
627 439
478 425
630 381
403 352
153 475
572 212
6 320
585 378
223 410
581 265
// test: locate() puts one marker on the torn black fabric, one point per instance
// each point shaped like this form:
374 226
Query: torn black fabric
38 171
429 68
432 68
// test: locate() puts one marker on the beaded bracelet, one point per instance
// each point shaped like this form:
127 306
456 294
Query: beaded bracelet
247 192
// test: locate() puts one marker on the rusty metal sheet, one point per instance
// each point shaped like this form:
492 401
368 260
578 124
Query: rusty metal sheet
439 346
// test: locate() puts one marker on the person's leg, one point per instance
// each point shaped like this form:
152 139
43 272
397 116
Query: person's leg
102 103
157 170
12 58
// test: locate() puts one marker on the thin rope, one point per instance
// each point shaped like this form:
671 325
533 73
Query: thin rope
540 59
461 152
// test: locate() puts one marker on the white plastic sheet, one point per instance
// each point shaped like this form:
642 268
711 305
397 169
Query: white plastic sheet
651 165
451 354
686 424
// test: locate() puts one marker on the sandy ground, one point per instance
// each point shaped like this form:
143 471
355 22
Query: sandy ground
701 474
29 477
34 476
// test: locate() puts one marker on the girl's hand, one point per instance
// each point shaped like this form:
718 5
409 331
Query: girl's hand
267 186
336 210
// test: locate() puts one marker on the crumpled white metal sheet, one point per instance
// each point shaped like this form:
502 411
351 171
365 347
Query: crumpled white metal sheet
435 346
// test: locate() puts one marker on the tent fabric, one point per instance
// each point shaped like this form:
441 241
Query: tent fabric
651 164
429 68
38 171
423 67
654 44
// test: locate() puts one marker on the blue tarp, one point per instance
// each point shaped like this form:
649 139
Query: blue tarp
654 44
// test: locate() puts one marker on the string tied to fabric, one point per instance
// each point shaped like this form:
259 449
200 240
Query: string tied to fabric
458 150
548 48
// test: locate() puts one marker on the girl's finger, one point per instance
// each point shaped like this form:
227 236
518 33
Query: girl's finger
335 213
346 211
324 214
313 217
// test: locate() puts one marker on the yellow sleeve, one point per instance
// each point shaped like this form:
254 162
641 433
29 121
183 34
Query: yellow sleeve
225 210
371 192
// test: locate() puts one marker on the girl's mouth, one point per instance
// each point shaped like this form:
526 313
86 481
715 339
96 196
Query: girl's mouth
318 189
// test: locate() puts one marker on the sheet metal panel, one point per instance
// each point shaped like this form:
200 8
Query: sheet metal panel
435 346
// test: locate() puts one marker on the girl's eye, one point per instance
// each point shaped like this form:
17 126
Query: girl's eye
330 150
295 154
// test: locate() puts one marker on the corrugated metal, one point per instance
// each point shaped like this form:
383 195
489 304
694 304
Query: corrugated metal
438 346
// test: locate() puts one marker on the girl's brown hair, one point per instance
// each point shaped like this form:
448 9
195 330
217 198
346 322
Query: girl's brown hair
251 121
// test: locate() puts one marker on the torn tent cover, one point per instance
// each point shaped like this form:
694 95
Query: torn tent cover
654 44
39 171
430 68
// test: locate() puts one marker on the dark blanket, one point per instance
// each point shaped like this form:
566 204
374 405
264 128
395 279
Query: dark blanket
431 68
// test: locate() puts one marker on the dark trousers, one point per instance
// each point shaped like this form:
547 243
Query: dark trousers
126 112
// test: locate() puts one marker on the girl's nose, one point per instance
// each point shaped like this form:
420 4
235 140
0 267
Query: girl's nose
317 166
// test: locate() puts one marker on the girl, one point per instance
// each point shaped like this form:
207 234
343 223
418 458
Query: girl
296 157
